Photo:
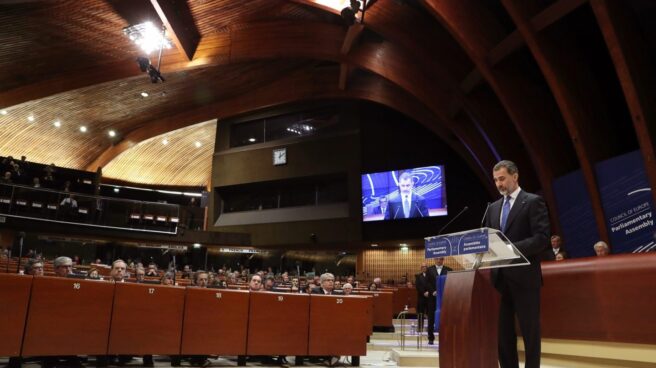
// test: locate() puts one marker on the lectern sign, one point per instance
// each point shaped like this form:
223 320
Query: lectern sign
469 242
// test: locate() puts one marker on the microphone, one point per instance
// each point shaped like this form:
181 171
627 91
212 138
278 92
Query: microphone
485 213
396 212
464 209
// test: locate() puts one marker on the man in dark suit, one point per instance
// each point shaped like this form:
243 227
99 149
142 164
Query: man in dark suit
408 204
524 220
327 287
428 278
556 247
382 208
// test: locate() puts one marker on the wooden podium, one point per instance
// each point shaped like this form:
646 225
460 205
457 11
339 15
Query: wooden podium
468 321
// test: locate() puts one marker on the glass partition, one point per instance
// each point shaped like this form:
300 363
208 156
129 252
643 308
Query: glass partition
50 205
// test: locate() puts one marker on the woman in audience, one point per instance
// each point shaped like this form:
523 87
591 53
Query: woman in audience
167 279
372 287
93 274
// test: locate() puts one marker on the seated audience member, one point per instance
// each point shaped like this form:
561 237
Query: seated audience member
118 272
48 181
187 273
63 266
347 289
285 280
67 186
68 206
6 178
601 249
561 256
556 246
167 279
152 270
372 287
139 275
34 267
93 274
269 283
211 277
295 285
378 282
327 285
255 284
201 279
36 183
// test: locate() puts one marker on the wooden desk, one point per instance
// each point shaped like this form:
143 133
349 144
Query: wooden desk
339 325
610 298
14 299
278 324
404 296
383 308
68 317
215 322
146 319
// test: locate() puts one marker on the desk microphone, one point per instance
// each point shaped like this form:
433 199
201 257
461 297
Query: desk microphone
485 213
464 209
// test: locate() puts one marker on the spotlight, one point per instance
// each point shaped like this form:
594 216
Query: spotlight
30 118
57 123
3 112
112 133
154 74
144 94
83 129
198 144
143 62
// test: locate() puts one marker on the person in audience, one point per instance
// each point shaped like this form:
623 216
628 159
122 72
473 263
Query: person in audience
327 285
167 279
34 267
67 186
307 289
556 246
93 274
255 284
347 289
186 272
118 272
285 280
63 266
561 256
378 282
295 286
68 207
373 287
338 285
139 275
601 249
152 270
269 283
36 183
6 178
48 181
202 279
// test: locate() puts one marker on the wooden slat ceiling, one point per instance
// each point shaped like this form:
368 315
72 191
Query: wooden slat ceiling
483 75
150 161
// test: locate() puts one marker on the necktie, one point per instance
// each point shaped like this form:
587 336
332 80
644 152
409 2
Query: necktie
406 206
504 212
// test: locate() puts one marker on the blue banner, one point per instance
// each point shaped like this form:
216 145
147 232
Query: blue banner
440 282
627 202
577 223
476 241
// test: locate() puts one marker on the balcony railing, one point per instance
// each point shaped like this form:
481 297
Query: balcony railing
65 207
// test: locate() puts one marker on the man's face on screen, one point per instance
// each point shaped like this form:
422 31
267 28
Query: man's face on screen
405 186
505 182
383 202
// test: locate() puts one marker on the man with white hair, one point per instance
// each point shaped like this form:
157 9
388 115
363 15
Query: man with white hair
327 281
63 266
601 249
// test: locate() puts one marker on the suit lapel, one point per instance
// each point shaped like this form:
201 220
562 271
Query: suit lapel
495 212
520 201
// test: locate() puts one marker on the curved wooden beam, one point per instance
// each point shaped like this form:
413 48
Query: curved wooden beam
478 32
562 70
635 70
308 85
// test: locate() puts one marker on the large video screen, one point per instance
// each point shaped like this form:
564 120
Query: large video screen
402 194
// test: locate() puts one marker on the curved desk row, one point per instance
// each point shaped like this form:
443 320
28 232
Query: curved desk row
46 316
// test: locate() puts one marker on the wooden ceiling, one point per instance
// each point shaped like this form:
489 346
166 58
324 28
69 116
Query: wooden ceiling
556 85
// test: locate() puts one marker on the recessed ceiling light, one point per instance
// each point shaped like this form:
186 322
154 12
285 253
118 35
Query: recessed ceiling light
30 118
198 144
403 245
3 112
374 245
165 141
57 123
112 133
197 245
83 129
116 190
144 94
251 139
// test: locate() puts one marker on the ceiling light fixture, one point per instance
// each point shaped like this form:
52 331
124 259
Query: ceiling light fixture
148 37
144 94
198 144
197 245
30 118
165 141
3 112
83 129
252 140
112 133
